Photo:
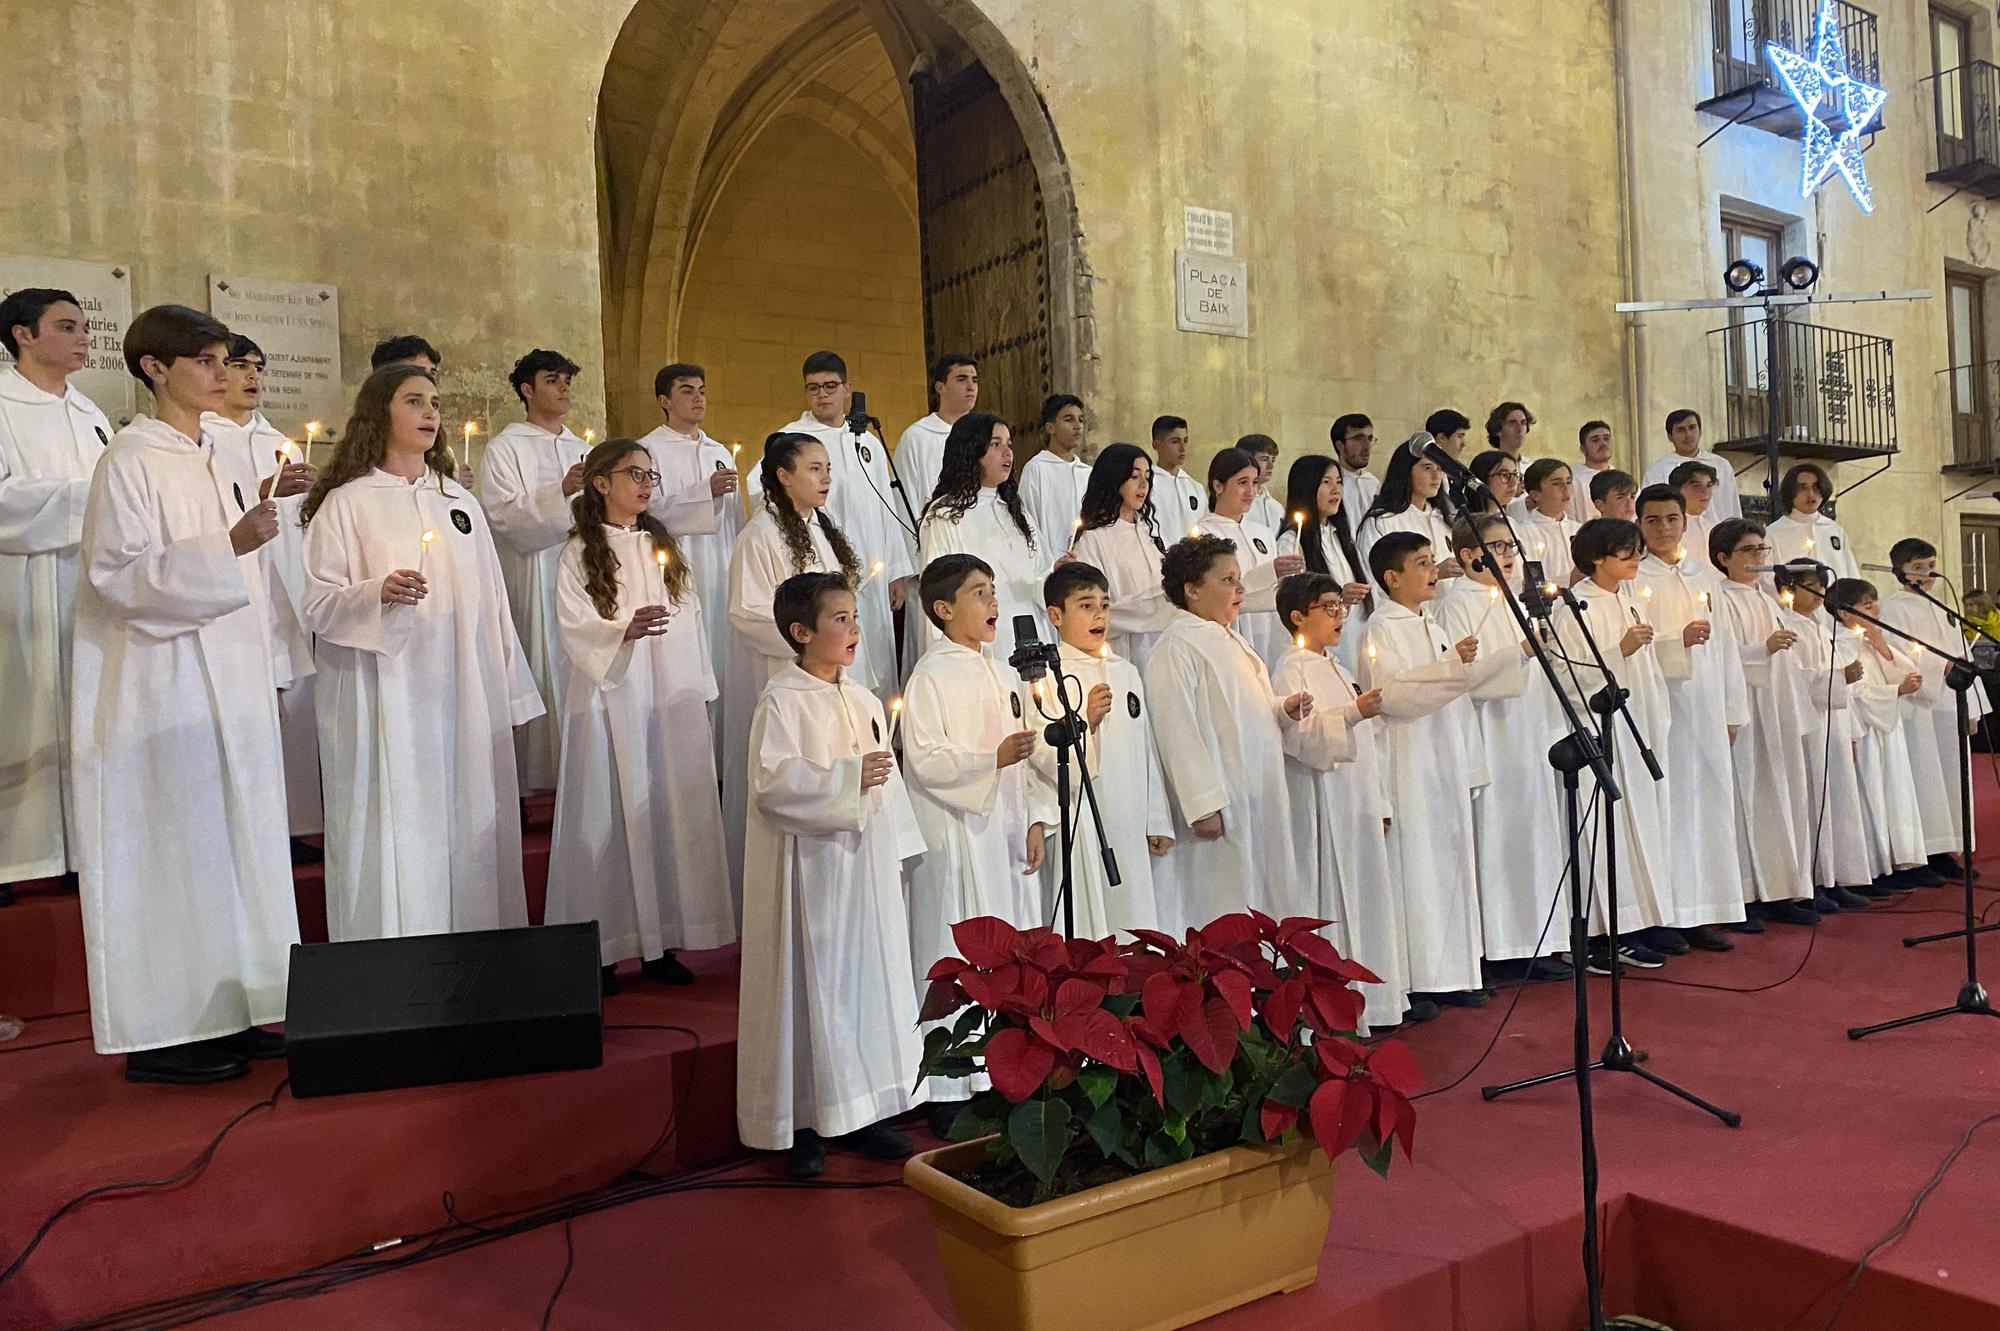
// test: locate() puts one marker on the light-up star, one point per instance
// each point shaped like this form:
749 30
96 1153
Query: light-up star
1825 77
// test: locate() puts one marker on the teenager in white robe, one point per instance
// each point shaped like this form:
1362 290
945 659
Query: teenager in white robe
1545 529
51 436
1340 806
1055 479
1773 828
422 680
1894 823
1805 531
1519 833
1709 705
1432 764
1684 433
188 913
827 1042
1121 539
1316 487
1842 868
1936 755
792 533
1221 736
918 459
1179 497
1232 487
1266 509
637 843
1593 442
1353 438
1409 500
697 500
977 511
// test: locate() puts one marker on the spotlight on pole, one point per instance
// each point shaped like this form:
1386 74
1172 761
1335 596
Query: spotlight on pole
1799 272
1740 276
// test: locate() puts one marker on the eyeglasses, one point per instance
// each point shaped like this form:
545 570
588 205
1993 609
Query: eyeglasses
639 475
1758 550
1333 605
1504 547
826 390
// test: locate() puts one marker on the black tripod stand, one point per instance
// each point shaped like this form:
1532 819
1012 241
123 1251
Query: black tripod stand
1065 734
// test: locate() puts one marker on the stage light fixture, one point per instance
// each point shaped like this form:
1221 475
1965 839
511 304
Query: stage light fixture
1799 272
1740 276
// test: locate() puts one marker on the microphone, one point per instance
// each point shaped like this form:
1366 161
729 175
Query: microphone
857 413
1902 579
1032 658
1799 567
1424 447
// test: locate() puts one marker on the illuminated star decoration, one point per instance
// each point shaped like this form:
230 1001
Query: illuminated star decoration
1825 76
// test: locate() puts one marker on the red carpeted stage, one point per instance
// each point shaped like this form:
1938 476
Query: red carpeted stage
1707 1229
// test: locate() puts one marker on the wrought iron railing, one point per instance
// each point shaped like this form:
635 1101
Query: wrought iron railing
1742 29
1973 392
1836 390
1962 109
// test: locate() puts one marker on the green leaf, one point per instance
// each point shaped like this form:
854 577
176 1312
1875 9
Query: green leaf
968 1022
1294 1086
950 1066
978 1119
1162 1150
1097 1083
1121 1006
1378 1159
1214 1087
1039 1130
1107 1129
1177 1080
1175 1127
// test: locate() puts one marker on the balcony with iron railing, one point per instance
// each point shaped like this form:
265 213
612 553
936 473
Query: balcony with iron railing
1835 397
1974 392
1747 90
1967 139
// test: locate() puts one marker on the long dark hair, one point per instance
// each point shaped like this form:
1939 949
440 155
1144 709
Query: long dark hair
364 444
781 452
958 478
1395 494
1101 504
1229 463
600 562
1302 484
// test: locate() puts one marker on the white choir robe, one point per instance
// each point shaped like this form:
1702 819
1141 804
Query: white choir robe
988 530
1127 554
919 459
1724 502
1339 843
759 562
1052 497
1773 826
1267 512
1936 756
1180 500
704 525
417 708
637 844
1638 846
1581 508
1432 767
1357 491
1547 539
1706 695
827 1038
49 444
1220 733
1793 537
1430 521
1122 761
1520 837
1699 525
1833 783
1895 825
188 913
879 528
1342 570
248 453
1256 553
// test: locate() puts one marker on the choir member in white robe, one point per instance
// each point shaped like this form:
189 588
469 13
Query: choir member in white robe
1895 825
1805 531
827 1042
1121 539
637 843
1544 527
1232 486
1122 759
1593 441
51 436
919 452
1773 829
697 499
1709 705
248 449
1832 667
1266 509
422 680
1054 480
1432 767
1520 836
1179 497
1353 437
1636 846
1220 731
1340 805
1316 487
1936 755
1684 433
1409 500
188 913
793 533
880 523
977 512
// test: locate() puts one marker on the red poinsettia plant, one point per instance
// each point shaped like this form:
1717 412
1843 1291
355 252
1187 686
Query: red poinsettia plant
1108 1058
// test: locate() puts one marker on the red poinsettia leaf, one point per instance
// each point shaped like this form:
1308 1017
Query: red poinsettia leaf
1105 1039
1167 943
1266 926
1045 948
1161 997
1018 1063
943 998
1339 1113
1276 1119
1384 1119
1149 1063
1338 1006
1406 1126
1078 996
1051 1032
1393 1062
1191 1024
1281 1009
1234 986
945 968
1339 1057
1311 947
1034 990
986 942
1222 1029
1349 969
1229 931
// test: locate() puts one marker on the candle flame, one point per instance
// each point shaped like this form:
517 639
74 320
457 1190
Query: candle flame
660 558
1549 588
1104 652
1680 554
590 436
1371 651
896 704
1809 545
1916 649
470 429
1493 592
1299 518
1785 597
429 536
1858 633
1194 529
1300 639
312 428
1645 593
1077 524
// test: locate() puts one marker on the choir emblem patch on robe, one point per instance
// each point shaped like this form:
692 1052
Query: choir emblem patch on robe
1015 699
238 489
1132 705
866 456
1258 541
461 520
875 726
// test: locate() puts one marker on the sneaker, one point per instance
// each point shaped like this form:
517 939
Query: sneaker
1635 953
1420 1009
185 1065
253 1044
878 1141
1751 923
1707 940
1598 959
608 981
666 969
1663 940
807 1158
1850 898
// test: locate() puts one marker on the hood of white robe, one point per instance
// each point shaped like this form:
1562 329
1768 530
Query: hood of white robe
159 434
17 387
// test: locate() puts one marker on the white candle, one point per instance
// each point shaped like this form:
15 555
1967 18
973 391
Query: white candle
424 547
312 433
1299 523
895 718
660 558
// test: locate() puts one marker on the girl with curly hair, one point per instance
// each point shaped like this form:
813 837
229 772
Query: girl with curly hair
975 511
1121 537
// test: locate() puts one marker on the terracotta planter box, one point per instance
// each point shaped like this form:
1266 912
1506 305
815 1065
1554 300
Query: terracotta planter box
1158 1250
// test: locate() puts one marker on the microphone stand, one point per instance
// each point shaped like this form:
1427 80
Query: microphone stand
888 458
1959 677
1065 734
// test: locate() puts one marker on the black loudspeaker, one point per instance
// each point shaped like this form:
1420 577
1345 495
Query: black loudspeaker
375 1013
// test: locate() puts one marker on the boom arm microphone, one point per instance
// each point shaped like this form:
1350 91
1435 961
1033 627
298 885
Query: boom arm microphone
1424 447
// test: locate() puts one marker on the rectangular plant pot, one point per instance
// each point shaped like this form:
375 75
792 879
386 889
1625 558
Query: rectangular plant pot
1158 1250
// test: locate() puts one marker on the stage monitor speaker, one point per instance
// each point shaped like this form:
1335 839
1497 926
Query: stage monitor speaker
376 1013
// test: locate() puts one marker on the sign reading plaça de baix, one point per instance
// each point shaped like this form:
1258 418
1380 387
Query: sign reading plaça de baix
298 326
1211 294
105 292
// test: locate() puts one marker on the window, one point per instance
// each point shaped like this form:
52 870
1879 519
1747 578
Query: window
1951 86
1965 332
1744 368
1979 554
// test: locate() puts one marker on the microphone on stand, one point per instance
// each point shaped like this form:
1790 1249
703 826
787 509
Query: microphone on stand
1902 578
1424 447
1797 568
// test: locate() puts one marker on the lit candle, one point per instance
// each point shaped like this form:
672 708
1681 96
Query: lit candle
1300 640
590 436
469 429
1371 651
1194 529
1704 602
424 547
1299 523
1809 545
895 718
1646 593
1916 650
284 452
1680 555
312 433
873 569
660 558
1785 598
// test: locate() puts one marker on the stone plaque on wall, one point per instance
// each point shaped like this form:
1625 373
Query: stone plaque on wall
1208 231
105 291
1211 294
298 326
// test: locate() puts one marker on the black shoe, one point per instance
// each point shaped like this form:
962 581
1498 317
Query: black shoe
1548 968
1948 865
1921 875
1706 939
1849 899
1785 912
1598 960
1420 1009
939 1114
878 1141
807 1158
666 969
1663 940
1459 998
6 894
305 852
1751 923
1823 902
608 981
1881 889
251 1044
185 1065
1511 972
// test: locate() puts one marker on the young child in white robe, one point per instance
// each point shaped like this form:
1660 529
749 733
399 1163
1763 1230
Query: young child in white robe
1548 529
637 844
976 511
1895 824
1806 531
1232 492
1842 873
1340 807
1120 537
1936 750
967 738
827 1044
1433 764
1317 527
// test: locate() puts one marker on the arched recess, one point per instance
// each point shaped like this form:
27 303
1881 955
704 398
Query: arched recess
961 137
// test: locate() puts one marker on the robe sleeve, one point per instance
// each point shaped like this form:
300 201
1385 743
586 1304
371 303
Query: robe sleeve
958 777
524 695
337 606
1180 727
595 645
691 512
755 573
1159 810
291 651
1323 738
526 518
799 796
1728 650
159 589
1875 701
1414 690
40 515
